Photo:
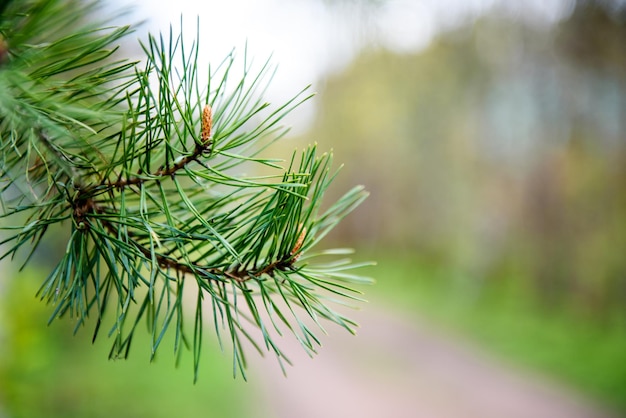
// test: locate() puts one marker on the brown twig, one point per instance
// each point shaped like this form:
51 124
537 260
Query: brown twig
4 51
88 207
205 146
84 206
160 173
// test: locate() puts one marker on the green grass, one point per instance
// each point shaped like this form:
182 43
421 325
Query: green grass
504 318
46 371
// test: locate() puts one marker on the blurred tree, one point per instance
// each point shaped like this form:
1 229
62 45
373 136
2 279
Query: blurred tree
594 36
140 163
498 151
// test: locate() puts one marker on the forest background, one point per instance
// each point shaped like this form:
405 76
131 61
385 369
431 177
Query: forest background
495 155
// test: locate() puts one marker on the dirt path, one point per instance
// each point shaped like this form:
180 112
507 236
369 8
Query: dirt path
398 369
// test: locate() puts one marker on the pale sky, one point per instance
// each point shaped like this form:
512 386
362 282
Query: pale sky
308 39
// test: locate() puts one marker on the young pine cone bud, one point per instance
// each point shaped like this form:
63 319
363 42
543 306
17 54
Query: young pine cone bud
295 251
207 124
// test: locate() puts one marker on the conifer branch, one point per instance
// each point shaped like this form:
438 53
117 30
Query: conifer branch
142 166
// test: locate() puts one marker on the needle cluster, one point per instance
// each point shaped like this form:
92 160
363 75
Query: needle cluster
142 164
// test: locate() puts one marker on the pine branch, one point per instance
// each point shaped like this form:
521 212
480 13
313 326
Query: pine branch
142 165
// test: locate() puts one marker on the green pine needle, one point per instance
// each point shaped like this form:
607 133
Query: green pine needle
141 163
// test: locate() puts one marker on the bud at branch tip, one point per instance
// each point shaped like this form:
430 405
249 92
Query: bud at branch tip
207 124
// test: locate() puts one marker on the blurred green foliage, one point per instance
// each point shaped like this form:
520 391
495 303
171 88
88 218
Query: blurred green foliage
496 162
46 371
499 151
507 320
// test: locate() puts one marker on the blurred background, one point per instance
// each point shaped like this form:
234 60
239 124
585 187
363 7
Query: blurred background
491 135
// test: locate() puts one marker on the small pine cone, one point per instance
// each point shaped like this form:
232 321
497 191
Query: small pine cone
207 124
295 252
